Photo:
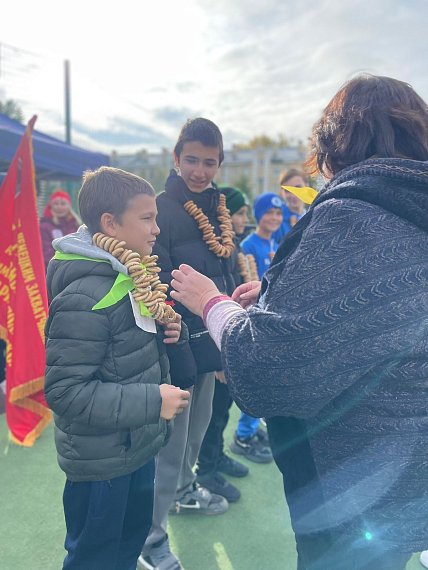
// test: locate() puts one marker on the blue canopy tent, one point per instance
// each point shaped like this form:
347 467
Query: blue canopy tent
53 158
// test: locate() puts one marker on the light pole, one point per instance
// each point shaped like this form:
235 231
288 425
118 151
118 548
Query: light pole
67 101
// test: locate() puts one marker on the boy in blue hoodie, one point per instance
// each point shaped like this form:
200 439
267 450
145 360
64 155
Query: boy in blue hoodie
267 211
249 440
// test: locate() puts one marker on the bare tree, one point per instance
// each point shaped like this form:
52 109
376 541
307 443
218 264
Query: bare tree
12 110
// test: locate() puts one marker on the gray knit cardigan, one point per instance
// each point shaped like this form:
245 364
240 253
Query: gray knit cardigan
339 341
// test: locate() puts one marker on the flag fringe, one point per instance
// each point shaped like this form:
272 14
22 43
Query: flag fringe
22 391
3 333
20 396
31 437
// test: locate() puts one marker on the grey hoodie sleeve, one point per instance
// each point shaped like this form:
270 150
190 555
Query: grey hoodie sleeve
77 342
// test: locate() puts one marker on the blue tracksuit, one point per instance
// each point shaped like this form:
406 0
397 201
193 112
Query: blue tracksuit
262 249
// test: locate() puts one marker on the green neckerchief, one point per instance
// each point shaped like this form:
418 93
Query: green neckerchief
121 287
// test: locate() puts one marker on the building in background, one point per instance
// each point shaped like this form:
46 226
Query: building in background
257 170
154 167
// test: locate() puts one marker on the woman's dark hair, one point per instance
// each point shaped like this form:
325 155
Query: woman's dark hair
108 190
370 116
200 130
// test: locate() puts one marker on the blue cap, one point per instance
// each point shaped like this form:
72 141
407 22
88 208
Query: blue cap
265 202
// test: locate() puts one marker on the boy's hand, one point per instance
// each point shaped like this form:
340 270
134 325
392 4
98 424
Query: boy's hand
247 293
174 401
172 330
220 376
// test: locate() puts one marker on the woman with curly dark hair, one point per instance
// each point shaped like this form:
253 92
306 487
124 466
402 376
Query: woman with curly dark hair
334 353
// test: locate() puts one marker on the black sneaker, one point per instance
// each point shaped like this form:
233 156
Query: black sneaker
231 467
252 449
199 500
263 437
158 556
217 484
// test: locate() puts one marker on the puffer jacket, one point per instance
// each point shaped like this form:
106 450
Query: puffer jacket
180 241
102 376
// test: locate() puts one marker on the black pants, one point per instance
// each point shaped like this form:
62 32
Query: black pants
335 551
329 549
108 521
212 445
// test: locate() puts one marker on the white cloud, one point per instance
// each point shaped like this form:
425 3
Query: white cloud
140 69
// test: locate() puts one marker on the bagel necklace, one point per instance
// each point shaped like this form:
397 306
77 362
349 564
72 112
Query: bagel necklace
144 273
221 246
247 267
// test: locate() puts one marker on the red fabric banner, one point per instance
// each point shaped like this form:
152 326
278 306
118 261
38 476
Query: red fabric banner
23 298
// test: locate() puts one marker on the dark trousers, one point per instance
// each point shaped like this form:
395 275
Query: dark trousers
335 551
330 548
212 445
108 521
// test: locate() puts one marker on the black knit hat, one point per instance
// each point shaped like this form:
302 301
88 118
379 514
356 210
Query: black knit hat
235 198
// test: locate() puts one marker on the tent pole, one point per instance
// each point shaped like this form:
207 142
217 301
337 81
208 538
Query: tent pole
67 101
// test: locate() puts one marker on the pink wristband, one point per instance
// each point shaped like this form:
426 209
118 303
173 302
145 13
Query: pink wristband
211 304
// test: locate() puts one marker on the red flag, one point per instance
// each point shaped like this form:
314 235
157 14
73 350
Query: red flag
23 298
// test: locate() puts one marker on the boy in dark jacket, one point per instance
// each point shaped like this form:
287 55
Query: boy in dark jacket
195 228
212 460
107 374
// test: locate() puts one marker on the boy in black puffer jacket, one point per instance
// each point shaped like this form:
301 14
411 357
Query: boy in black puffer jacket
195 228
107 374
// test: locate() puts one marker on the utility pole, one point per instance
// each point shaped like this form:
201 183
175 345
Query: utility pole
67 101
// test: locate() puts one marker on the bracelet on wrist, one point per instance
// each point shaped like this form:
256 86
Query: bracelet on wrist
213 301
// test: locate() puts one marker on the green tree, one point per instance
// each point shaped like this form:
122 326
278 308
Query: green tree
160 174
12 110
283 141
258 141
263 141
243 183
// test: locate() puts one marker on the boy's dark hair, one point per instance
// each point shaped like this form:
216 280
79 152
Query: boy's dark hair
200 130
109 190
370 116
286 175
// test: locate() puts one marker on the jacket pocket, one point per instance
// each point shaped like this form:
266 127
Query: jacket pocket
99 499
205 352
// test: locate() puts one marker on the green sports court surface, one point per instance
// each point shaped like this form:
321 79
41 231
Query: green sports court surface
255 533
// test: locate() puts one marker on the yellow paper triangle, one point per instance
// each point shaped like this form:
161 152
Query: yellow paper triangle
306 194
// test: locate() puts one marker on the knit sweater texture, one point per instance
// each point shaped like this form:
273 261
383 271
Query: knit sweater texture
335 355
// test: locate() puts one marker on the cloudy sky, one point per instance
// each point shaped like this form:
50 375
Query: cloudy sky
140 68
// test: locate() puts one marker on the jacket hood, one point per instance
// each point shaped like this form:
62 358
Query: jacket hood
80 243
62 273
397 185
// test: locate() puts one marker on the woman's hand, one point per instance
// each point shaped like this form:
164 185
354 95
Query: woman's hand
172 330
247 293
192 289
